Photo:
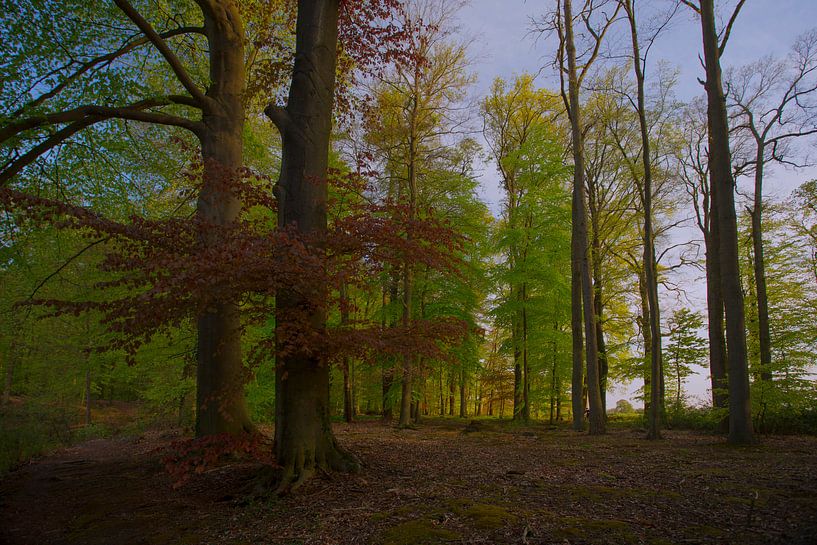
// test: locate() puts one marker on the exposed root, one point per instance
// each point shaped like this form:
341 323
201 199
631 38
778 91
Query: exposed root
304 465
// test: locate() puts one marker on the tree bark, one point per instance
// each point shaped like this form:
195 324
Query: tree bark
740 418
220 403
304 441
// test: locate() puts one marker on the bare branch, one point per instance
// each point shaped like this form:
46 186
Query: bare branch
729 25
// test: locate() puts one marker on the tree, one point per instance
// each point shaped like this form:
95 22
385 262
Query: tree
694 172
513 120
722 185
650 268
773 105
220 376
582 291
685 348
417 108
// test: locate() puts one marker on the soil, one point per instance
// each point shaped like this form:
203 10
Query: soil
490 484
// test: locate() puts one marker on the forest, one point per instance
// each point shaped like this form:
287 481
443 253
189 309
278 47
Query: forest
254 287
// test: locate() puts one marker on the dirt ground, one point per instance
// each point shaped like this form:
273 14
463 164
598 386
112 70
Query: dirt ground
433 485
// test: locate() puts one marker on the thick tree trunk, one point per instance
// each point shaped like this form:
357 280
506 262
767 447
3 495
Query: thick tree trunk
720 160
220 403
303 434
579 248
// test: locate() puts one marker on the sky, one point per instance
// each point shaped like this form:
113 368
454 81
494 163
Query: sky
503 45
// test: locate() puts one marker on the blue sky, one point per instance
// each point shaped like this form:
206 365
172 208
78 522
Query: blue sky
503 46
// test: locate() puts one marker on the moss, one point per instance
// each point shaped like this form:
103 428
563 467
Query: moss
589 529
417 532
487 517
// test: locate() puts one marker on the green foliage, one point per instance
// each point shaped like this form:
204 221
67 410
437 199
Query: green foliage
684 349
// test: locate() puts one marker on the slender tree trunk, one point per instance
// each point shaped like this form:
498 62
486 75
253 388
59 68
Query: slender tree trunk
303 434
452 388
348 413
463 398
714 304
646 336
603 364
525 368
405 399
579 248
553 393
656 371
388 364
764 335
720 160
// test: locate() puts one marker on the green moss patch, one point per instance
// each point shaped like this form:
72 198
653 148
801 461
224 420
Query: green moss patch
417 532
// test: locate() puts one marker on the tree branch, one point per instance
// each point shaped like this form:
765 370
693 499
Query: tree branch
729 25
170 57
107 59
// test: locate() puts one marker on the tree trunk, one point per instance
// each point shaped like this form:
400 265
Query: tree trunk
579 248
720 160
463 398
388 365
656 371
714 306
452 388
220 403
348 412
646 336
764 335
304 441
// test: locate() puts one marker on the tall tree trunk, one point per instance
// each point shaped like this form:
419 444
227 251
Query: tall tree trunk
463 397
720 160
764 335
303 434
388 363
646 336
405 398
452 388
579 248
525 368
577 378
714 306
656 369
597 287
220 403
348 412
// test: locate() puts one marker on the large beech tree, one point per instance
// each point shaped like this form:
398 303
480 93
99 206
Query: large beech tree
217 121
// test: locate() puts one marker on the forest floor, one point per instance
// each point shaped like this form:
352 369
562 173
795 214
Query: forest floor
434 485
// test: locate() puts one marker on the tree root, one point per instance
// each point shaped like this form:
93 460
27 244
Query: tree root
304 465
